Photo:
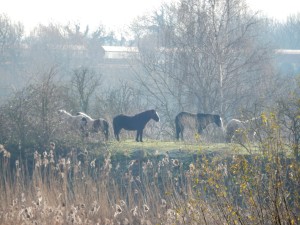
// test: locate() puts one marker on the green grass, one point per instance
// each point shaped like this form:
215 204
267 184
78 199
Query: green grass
152 147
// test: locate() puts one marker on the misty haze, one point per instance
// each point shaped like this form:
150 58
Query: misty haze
203 94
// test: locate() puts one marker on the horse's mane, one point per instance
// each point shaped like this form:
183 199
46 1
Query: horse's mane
89 117
141 113
65 112
85 115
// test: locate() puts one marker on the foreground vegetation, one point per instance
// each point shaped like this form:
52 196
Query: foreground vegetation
198 56
132 183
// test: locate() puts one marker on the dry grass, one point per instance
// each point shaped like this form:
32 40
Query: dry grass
135 184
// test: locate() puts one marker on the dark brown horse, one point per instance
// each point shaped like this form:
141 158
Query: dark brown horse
199 120
96 125
136 122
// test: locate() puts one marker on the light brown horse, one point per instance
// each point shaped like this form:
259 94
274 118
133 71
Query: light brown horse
199 120
240 131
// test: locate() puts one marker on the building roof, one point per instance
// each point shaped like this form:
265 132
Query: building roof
119 52
120 49
287 51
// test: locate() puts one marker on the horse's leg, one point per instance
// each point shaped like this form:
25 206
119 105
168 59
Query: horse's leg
117 132
228 138
137 135
181 134
106 135
200 130
141 136
177 129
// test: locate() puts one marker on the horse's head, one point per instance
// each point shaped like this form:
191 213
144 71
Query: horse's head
83 124
96 125
154 115
218 120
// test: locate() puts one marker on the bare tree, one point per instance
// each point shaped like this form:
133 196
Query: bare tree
122 98
47 46
203 56
44 97
84 83
11 65
15 124
289 114
286 35
10 39
30 115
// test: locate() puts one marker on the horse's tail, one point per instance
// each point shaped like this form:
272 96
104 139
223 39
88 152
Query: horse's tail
177 126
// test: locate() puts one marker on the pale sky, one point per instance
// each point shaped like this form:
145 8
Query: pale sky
113 14
279 9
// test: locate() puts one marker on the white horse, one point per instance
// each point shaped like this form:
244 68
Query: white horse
77 123
237 130
96 125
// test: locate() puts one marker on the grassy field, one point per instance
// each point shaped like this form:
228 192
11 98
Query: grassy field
152 147
164 146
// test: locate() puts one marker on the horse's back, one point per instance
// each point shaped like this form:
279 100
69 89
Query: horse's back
234 124
123 121
184 114
185 119
119 118
136 122
181 116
